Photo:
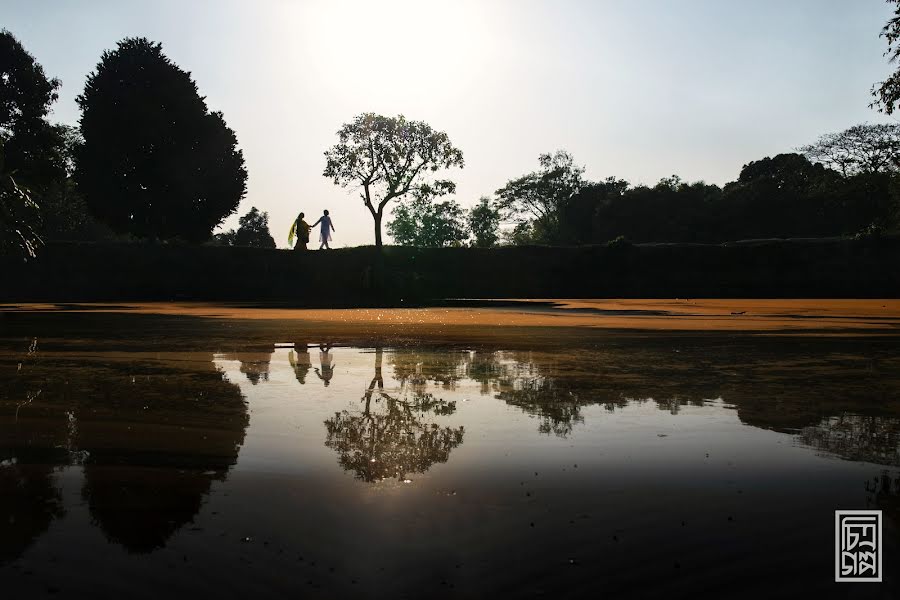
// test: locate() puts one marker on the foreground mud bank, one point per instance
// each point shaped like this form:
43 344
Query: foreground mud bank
354 277
212 450
486 319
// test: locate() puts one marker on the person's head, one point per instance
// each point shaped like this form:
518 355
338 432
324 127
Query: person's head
326 212
301 216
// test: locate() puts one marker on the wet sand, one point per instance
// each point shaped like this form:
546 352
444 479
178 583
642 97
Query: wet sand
791 316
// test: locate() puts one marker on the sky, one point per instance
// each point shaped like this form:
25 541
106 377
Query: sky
636 90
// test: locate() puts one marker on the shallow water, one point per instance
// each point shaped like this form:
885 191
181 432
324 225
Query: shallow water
146 457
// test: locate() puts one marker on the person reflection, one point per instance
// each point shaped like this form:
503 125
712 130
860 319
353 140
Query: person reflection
391 437
327 371
300 363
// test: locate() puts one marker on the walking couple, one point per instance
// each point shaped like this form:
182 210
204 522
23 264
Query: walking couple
301 229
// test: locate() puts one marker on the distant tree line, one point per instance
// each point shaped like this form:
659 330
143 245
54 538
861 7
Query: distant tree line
844 184
788 195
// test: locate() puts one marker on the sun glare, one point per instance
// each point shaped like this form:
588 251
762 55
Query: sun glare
420 50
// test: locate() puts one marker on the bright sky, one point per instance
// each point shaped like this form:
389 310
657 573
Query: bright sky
639 90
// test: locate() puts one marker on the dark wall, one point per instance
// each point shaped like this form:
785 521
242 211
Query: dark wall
350 277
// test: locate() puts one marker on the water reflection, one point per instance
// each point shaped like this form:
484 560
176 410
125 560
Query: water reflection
326 367
300 362
148 435
255 363
392 436
857 437
29 501
769 387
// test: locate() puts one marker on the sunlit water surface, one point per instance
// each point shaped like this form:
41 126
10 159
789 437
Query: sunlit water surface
265 468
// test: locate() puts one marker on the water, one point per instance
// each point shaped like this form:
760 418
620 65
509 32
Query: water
144 456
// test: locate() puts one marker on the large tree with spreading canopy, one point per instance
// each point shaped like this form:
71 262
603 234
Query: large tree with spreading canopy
391 158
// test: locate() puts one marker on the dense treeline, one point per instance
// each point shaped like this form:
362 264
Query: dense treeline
782 196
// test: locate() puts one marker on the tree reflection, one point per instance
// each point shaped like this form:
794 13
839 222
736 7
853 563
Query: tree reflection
146 481
149 436
32 447
391 437
415 370
255 364
769 384
857 437
29 499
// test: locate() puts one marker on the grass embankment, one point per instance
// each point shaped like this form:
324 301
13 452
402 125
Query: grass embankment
831 268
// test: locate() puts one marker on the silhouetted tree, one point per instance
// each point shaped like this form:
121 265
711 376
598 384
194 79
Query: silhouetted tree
19 218
27 143
887 92
155 161
484 223
252 231
64 213
862 148
390 158
670 211
782 196
423 223
538 197
26 94
590 216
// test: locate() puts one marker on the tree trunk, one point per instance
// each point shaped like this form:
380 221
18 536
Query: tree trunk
377 217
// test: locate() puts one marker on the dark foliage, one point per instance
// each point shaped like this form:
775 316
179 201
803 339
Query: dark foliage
155 161
829 268
427 224
27 141
887 92
18 219
252 232
859 149
484 223
26 94
537 200
779 197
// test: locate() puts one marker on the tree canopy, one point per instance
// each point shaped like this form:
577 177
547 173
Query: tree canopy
26 95
29 157
862 148
391 158
887 93
484 223
423 223
539 197
786 195
252 231
155 161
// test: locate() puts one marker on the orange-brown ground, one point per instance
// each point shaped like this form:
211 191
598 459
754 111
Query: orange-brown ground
879 316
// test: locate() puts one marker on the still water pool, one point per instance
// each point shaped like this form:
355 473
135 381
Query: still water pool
148 457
